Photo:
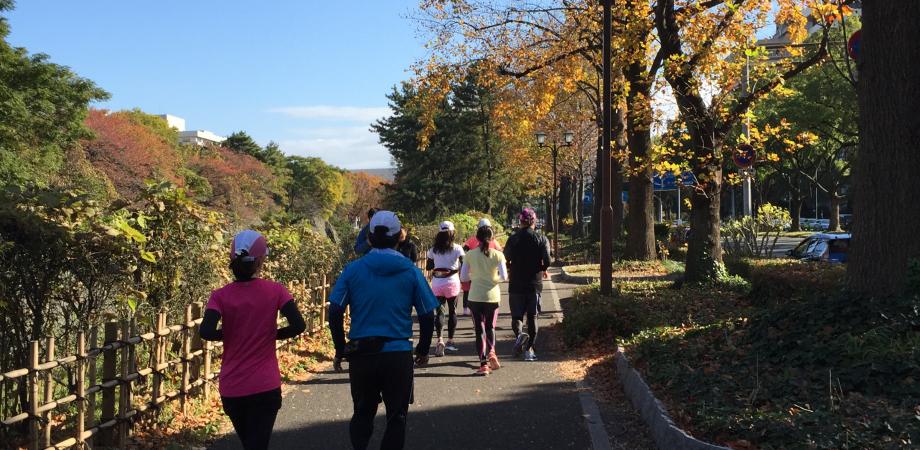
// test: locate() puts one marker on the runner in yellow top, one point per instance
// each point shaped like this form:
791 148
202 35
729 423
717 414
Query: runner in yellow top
485 268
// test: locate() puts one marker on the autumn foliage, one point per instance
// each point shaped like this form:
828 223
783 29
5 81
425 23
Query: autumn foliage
128 153
238 183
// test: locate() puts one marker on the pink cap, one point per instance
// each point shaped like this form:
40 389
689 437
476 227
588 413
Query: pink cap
250 245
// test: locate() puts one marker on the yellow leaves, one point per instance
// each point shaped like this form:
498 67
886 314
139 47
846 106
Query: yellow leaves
772 157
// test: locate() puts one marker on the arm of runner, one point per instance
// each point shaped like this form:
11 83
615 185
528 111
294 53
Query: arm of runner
208 329
502 271
338 300
426 330
465 272
546 258
295 326
337 328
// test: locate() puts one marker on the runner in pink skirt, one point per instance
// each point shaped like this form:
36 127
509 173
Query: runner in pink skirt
444 260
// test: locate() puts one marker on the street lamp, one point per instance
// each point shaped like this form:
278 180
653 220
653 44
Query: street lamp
568 137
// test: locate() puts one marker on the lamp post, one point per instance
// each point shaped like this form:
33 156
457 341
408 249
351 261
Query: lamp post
606 136
568 137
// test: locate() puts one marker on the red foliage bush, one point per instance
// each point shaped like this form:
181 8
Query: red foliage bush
240 184
129 153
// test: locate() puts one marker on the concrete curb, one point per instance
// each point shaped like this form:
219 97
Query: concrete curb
565 276
665 432
597 430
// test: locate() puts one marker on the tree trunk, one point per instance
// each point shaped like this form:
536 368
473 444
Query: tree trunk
886 210
640 224
834 222
565 198
704 248
795 210
579 229
549 221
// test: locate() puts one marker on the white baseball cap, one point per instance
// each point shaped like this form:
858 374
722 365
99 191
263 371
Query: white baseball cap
250 245
386 219
447 226
484 223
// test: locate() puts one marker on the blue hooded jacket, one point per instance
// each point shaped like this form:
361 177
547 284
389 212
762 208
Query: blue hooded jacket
381 289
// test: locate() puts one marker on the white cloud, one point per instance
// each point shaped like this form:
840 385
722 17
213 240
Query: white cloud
345 147
346 113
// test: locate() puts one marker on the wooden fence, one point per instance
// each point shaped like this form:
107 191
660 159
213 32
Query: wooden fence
140 372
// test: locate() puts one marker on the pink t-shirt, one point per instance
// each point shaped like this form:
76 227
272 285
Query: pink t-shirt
249 312
472 243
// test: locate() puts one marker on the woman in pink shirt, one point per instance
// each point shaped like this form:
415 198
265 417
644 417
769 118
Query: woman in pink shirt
250 381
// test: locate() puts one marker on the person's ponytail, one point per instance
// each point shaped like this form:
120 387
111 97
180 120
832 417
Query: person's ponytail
484 235
243 270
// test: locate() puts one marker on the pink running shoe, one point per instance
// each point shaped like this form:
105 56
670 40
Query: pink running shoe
484 370
493 362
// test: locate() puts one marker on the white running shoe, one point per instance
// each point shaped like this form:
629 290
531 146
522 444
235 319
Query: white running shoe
439 350
529 355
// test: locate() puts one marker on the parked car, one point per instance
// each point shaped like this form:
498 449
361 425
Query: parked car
830 247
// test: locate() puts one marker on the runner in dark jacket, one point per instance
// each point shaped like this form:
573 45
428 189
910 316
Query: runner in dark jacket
528 258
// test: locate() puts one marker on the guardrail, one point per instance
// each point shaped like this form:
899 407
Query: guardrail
140 372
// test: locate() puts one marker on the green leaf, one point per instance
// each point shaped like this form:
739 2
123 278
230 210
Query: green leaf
132 303
132 233
148 256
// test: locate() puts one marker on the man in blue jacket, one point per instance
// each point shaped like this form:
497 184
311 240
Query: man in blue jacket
381 289
362 245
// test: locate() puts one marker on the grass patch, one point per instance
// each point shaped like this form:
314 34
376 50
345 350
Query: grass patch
630 269
785 360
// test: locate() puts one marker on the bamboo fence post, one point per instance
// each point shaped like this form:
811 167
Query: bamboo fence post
124 389
91 402
197 344
207 370
308 304
35 430
322 301
155 360
48 392
80 424
186 355
109 358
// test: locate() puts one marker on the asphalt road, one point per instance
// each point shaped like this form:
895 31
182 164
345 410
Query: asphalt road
784 244
522 405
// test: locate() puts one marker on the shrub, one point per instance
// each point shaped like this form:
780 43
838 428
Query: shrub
779 280
754 237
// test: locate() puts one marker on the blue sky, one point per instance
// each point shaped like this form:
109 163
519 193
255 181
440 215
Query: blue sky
309 74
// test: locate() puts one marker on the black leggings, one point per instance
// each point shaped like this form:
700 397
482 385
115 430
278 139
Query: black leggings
525 305
448 307
383 376
253 417
484 317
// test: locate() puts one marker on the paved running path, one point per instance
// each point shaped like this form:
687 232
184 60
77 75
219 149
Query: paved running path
523 405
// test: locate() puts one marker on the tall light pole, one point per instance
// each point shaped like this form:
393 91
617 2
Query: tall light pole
567 137
606 136
746 174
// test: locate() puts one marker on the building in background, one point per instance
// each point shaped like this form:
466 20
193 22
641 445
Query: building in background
200 138
175 122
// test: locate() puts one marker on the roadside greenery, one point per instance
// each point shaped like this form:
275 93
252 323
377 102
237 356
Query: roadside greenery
779 357
754 236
